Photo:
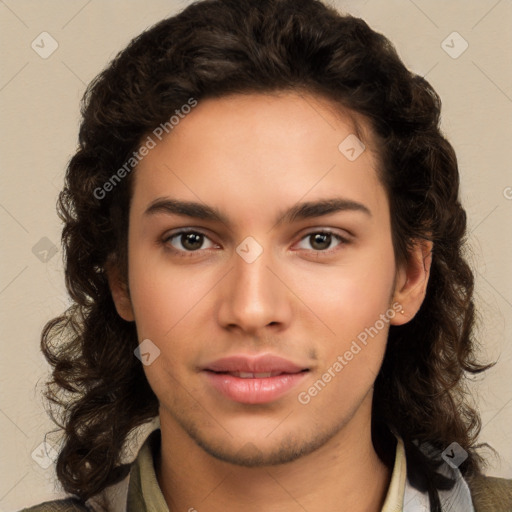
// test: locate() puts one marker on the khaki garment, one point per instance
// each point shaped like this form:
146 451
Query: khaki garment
141 492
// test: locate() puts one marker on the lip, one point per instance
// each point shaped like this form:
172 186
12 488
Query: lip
284 376
253 390
254 364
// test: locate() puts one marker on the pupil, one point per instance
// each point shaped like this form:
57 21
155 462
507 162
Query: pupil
192 241
321 240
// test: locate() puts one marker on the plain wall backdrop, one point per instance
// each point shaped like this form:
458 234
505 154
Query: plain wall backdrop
39 103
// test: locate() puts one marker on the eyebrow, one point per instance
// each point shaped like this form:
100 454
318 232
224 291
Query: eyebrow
299 211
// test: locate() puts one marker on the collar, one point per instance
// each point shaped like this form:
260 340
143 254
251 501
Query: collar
140 492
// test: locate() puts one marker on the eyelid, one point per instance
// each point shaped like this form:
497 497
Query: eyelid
343 240
346 235
311 231
165 240
187 229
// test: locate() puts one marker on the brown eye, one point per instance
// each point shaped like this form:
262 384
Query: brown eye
321 241
189 241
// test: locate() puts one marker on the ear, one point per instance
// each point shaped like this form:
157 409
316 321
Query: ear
411 282
119 291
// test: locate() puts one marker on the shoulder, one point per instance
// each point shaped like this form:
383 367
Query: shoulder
490 493
66 505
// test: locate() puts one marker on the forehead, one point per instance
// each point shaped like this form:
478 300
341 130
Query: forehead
252 151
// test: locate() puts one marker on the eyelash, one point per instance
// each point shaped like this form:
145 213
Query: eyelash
187 254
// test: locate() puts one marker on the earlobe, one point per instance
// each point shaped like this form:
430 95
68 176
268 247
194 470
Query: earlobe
119 291
412 280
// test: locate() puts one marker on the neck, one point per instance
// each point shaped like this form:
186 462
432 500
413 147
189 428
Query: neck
345 474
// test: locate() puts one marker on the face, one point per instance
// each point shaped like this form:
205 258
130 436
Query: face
261 267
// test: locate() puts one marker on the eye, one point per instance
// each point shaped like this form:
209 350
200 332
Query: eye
321 241
188 241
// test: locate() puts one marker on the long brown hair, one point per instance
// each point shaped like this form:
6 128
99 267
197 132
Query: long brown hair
99 393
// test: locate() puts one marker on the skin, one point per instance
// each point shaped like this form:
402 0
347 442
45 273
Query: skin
252 157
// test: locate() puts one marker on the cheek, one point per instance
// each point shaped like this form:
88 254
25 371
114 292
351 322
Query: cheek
350 365
335 396
163 296
351 295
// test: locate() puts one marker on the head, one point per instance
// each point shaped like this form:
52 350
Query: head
321 203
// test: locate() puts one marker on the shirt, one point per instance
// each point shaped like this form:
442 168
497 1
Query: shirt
140 492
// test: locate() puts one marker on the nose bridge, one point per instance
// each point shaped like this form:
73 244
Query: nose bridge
253 297
251 278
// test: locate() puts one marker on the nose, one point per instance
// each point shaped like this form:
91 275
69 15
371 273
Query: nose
254 296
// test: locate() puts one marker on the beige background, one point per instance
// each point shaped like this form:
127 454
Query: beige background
39 102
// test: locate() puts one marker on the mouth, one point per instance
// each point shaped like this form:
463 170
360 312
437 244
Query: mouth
258 375
254 365
254 380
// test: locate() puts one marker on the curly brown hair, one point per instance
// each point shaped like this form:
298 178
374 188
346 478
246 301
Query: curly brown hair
99 394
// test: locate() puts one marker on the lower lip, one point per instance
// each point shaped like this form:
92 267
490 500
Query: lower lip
254 391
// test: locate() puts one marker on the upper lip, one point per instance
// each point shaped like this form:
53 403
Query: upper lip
254 364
